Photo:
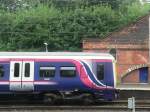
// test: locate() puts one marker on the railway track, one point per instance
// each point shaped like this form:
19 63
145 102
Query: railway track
72 108
141 105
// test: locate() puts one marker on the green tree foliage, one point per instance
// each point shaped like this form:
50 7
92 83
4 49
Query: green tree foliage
63 24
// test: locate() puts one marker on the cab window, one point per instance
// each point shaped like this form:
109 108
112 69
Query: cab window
67 71
46 72
100 71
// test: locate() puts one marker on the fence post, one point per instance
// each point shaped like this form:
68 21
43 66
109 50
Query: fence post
131 104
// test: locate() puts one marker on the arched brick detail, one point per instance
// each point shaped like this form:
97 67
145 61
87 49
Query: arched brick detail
132 74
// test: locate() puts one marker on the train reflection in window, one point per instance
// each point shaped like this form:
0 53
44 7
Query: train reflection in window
47 72
68 71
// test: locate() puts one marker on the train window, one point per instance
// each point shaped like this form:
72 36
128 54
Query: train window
68 71
27 70
47 71
1 71
16 69
100 71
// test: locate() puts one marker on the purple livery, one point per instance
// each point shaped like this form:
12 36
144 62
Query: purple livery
59 75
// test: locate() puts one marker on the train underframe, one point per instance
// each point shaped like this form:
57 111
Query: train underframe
52 97
85 96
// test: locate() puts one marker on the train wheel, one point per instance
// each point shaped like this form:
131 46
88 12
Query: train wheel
87 100
49 99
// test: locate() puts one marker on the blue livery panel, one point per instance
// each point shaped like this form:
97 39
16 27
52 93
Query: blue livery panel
63 75
4 76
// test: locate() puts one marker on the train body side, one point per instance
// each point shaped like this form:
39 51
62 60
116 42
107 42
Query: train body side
45 75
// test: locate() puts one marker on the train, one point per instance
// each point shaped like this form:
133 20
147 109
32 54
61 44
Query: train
59 75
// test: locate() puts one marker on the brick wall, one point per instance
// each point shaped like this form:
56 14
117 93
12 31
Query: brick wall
128 56
131 44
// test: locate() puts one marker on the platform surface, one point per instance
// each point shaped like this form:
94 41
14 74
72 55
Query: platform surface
139 86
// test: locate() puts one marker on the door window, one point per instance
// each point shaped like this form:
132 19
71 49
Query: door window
16 69
27 69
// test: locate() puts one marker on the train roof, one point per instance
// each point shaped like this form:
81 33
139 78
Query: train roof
84 55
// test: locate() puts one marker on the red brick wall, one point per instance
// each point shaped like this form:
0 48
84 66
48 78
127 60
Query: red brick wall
133 77
127 57
132 56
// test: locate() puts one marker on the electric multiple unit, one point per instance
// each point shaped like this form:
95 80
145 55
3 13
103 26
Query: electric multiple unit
65 75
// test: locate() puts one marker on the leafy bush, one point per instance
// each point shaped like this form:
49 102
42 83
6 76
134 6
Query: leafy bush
63 28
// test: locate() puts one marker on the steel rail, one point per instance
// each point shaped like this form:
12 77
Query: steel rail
35 107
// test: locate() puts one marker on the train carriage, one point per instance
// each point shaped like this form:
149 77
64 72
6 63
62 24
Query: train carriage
54 75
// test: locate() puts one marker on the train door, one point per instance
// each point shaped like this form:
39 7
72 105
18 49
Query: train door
21 75
28 75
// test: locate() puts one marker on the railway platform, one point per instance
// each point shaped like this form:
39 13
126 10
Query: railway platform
138 86
139 91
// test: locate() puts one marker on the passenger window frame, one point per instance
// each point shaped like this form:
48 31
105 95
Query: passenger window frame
47 68
64 68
